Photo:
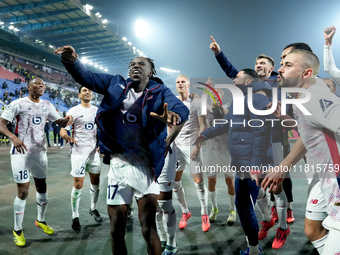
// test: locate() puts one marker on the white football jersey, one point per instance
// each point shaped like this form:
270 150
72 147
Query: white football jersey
320 133
31 118
84 129
190 130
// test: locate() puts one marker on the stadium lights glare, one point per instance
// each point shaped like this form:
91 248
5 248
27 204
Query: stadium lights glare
89 7
98 15
11 27
130 43
84 60
16 29
168 70
141 53
138 50
96 65
106 70
104 21
1 23
141 28
91 63
124 39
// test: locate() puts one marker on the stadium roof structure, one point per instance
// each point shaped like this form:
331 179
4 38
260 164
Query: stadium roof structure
47 24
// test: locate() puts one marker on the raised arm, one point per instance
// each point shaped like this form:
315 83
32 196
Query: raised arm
225 64
328 59
94 81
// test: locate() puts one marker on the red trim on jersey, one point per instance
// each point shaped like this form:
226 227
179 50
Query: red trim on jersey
146 96
333 148
17 126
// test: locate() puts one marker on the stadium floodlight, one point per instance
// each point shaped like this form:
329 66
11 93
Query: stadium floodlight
124 39
168 70
11 27
141 53
89 7
104 21
106 70
1 23
96 65
84 60
141 28
98 15
130 43
91 63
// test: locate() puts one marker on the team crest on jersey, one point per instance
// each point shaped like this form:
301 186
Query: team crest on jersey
7 107
44 108
325 104
337 204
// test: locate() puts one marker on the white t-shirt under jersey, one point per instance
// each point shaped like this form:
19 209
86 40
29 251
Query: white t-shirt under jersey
84 129
31 118
320 133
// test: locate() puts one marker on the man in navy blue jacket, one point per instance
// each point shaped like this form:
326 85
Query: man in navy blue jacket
282 213
249 142
132 134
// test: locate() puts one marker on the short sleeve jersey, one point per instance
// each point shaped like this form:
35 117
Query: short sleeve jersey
31 118
320 133
190 130
84 129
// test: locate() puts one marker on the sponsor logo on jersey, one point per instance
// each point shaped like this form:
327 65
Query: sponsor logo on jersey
36 120
7 107
130 117
81 116
44 108
337 204
150 97
325 104
89 126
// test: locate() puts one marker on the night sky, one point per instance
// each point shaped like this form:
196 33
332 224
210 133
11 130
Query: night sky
179 31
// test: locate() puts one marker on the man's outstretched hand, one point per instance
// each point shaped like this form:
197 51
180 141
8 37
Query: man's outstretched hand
214 46
167 117
67 52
